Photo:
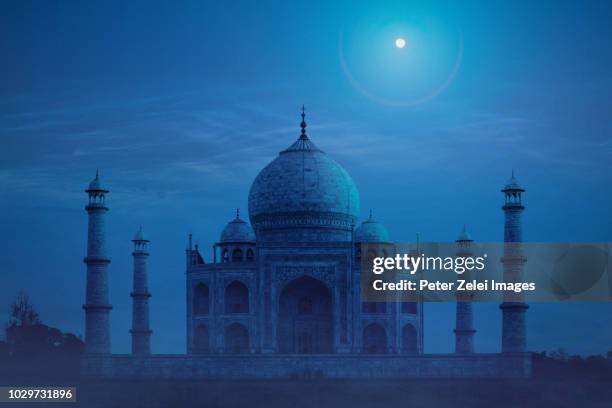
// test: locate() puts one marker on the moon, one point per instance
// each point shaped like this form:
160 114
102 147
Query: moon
400 42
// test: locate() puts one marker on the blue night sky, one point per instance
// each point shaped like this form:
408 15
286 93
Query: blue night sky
180 104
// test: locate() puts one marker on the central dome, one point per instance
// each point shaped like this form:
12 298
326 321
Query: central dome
303 187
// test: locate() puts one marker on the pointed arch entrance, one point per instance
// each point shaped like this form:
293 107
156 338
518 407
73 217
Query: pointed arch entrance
236 339
409 339
374 339
305 317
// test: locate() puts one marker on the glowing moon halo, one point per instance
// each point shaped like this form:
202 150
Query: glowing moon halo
400 43
394 102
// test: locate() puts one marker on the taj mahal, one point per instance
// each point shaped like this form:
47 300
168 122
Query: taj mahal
279 295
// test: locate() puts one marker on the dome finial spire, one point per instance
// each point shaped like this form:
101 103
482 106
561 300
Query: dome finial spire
303 124
139 236
464 236
512 184
237 213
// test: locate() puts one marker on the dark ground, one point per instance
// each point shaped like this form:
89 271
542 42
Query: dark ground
362 393
570 383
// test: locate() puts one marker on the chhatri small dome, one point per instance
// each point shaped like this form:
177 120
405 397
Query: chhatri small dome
464 236
237 230
96 184
303 188
371 231
512 184
139 236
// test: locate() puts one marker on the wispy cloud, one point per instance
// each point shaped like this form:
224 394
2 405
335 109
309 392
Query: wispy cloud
184 144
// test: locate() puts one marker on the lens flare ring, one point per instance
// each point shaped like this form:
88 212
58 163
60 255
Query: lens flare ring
395 102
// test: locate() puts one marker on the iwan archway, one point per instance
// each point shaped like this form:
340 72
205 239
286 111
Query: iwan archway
305 318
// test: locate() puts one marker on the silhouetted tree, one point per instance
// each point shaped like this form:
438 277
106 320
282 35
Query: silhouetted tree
25 333
22 312
559 354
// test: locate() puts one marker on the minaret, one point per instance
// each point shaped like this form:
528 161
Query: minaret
97 307
141 333
514 335
464 326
